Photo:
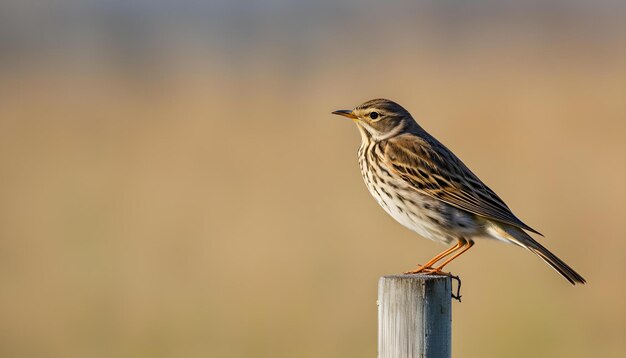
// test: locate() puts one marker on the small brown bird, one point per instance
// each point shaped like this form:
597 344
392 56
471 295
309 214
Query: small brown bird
426 188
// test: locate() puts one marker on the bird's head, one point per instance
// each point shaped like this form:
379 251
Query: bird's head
379 119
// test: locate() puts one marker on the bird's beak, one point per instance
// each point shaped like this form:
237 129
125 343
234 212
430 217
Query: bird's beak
346 113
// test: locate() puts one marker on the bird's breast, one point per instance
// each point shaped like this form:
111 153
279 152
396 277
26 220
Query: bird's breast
417 212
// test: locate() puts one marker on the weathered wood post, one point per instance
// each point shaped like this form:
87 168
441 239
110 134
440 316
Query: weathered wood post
414 316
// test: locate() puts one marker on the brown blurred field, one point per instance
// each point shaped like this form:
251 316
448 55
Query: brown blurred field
201 201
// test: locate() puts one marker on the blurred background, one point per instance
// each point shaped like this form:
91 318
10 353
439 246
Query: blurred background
173 184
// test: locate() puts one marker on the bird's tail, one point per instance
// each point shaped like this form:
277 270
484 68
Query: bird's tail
521 238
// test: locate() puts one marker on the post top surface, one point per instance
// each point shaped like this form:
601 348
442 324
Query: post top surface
416 277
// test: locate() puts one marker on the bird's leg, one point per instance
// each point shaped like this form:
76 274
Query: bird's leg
468 245
427 266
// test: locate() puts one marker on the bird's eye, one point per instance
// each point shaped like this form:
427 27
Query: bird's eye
374 115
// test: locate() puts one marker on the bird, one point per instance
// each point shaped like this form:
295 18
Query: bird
425 187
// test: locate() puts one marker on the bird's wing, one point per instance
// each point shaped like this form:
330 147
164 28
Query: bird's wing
432 169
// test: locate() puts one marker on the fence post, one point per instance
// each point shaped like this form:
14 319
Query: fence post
414 316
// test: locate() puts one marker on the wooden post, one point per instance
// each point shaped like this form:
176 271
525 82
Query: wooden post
414 316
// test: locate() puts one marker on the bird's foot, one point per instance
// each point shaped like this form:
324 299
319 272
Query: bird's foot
435 271
420 269
427 270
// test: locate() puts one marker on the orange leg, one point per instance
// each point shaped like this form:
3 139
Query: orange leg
468 245
427 266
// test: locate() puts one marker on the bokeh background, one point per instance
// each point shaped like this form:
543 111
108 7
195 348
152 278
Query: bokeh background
172 183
